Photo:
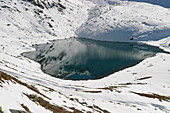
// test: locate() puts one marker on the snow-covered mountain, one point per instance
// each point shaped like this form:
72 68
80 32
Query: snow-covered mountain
126 21
142 88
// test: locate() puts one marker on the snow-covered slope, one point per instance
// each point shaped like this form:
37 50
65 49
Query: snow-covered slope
126 21
25 23
163 3
143 88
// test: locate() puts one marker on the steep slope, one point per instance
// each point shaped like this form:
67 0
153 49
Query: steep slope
27 22
126 21
23 86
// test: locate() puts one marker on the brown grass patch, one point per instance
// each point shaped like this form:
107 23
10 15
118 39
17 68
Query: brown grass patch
47 105
104 111
75 110
92 91
111 87
50 89
98 109
26 108
153 95
133 83
1 110
145 78
81 86
4 76
94 107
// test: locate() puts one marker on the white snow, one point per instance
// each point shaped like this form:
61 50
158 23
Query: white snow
110 20
127 21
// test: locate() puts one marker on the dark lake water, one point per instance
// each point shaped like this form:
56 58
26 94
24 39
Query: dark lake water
83 59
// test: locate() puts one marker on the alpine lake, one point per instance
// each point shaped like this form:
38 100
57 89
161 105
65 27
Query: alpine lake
84 59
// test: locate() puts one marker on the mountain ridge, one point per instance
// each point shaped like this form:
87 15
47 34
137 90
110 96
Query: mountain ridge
142 88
